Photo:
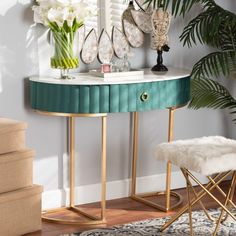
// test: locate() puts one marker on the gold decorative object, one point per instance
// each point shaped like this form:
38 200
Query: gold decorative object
159 41
160 25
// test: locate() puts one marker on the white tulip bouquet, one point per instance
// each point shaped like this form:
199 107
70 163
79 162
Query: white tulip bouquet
64 18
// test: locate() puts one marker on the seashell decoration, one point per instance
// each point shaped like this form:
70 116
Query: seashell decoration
143 20
134 35
81 35
90 47
120 44
105 48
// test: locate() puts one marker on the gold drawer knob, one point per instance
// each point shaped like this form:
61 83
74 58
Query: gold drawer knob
144 97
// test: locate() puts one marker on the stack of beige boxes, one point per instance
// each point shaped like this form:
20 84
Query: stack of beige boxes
20 200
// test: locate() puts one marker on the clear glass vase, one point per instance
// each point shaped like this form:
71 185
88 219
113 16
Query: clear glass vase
65 52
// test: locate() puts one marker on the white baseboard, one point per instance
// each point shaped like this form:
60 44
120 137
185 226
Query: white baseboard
115 189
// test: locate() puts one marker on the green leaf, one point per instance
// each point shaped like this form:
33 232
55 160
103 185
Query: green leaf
214 26
179 7
208 93
215 64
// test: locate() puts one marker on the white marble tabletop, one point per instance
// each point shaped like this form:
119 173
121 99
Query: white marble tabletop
87 79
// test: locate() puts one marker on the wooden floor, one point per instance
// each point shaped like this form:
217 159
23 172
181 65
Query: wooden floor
119 211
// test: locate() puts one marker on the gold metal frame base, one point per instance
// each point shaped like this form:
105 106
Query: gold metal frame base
91 220
206 190
141 198
167 193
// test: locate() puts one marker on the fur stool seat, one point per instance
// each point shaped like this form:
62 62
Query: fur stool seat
206 155
214 157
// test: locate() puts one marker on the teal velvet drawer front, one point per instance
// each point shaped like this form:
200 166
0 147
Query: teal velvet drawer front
109 98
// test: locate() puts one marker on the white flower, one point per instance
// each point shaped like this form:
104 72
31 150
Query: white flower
57 16
62 3
70 19
81 11
59 11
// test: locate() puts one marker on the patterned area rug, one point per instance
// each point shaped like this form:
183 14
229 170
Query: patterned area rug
202 226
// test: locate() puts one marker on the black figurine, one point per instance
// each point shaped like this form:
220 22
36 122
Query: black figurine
159 66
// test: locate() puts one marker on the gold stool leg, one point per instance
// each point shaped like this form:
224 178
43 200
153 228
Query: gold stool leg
195 195
229 195
91 220
203 207
223 193
209 187
168 193
210 194
188 185
230 202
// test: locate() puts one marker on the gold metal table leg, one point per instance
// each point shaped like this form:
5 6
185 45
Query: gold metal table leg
104 144
89 219
135 154
168 193
72 159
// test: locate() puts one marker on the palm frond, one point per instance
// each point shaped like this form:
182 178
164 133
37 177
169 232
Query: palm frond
215 64
157 3
215 26
209 27
208 93
228 37
179 7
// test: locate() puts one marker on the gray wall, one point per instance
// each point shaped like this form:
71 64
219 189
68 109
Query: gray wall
23 53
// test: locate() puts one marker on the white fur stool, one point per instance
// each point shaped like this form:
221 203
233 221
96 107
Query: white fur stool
207 156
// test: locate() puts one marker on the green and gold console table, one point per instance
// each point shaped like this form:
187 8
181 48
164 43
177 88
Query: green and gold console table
89 96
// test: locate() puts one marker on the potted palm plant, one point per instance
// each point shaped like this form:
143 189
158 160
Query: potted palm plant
214 26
